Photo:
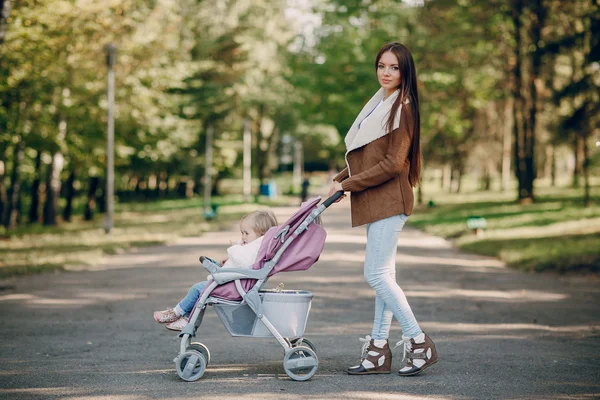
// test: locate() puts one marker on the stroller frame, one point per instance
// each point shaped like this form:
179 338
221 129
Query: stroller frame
300 360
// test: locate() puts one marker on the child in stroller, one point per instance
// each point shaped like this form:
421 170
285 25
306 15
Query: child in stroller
247 310
243 254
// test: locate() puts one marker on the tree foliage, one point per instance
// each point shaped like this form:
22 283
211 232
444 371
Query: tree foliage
300 69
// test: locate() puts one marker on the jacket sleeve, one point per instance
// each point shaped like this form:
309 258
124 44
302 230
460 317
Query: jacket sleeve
393 162
342 176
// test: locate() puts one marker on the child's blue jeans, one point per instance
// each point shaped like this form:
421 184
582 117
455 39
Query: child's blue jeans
186 305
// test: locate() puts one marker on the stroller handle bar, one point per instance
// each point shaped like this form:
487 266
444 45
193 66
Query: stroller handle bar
333 198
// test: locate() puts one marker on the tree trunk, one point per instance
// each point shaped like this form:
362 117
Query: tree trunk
165 187
525 117
14 193
576 161
527 154
517 10
34 209
90 205
161 184
548 161
70 195
506 145
261 146
139 186
586 175
53 189
101 199
459 173
442 177
154 184
271 159
214 190
57 164
5 6
447 177
486 180
3 198
553 168
456 178
264 150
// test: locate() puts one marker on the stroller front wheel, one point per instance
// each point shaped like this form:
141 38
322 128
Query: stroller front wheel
300 363
190 365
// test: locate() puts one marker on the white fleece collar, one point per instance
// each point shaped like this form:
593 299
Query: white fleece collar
374 127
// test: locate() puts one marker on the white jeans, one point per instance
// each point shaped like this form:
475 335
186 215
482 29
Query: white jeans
380 273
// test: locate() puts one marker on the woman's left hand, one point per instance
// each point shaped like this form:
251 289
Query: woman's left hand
336 187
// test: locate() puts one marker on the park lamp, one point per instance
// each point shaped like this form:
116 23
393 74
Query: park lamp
111 55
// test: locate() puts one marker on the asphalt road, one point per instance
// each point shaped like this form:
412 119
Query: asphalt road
500 334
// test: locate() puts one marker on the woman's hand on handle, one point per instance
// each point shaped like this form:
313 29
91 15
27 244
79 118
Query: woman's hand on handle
336 187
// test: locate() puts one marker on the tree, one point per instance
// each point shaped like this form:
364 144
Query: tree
577 94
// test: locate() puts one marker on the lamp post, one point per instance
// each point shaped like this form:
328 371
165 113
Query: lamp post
298 164
247 188
111 55
208 211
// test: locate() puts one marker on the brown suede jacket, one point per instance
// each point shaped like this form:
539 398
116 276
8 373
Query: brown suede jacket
378 175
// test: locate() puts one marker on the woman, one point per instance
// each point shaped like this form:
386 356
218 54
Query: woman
383 165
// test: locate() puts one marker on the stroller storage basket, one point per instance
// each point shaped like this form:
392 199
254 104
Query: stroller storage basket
287 310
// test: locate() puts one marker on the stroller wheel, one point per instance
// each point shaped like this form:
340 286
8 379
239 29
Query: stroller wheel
303 342
190 365
300 363
202 349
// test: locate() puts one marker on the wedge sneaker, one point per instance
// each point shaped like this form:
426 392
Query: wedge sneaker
374 360
419 354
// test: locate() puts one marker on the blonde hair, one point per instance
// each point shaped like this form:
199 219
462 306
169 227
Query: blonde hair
263 221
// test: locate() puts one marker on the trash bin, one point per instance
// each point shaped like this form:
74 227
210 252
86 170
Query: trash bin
264 189
269 190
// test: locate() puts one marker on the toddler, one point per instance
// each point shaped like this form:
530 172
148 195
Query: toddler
243 254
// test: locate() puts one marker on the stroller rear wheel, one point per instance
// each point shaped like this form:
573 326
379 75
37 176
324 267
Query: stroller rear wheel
202 349
300 363
303 342
190 365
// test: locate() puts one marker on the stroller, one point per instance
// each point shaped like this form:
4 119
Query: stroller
248 311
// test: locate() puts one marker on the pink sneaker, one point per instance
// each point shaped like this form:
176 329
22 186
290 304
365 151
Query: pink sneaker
177 325
167 315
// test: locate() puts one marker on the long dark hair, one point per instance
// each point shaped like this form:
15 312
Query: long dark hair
408 90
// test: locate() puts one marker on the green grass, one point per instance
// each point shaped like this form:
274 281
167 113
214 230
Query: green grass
556 233
568 253
36 248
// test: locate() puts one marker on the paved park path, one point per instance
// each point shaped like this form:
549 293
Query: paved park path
500 334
